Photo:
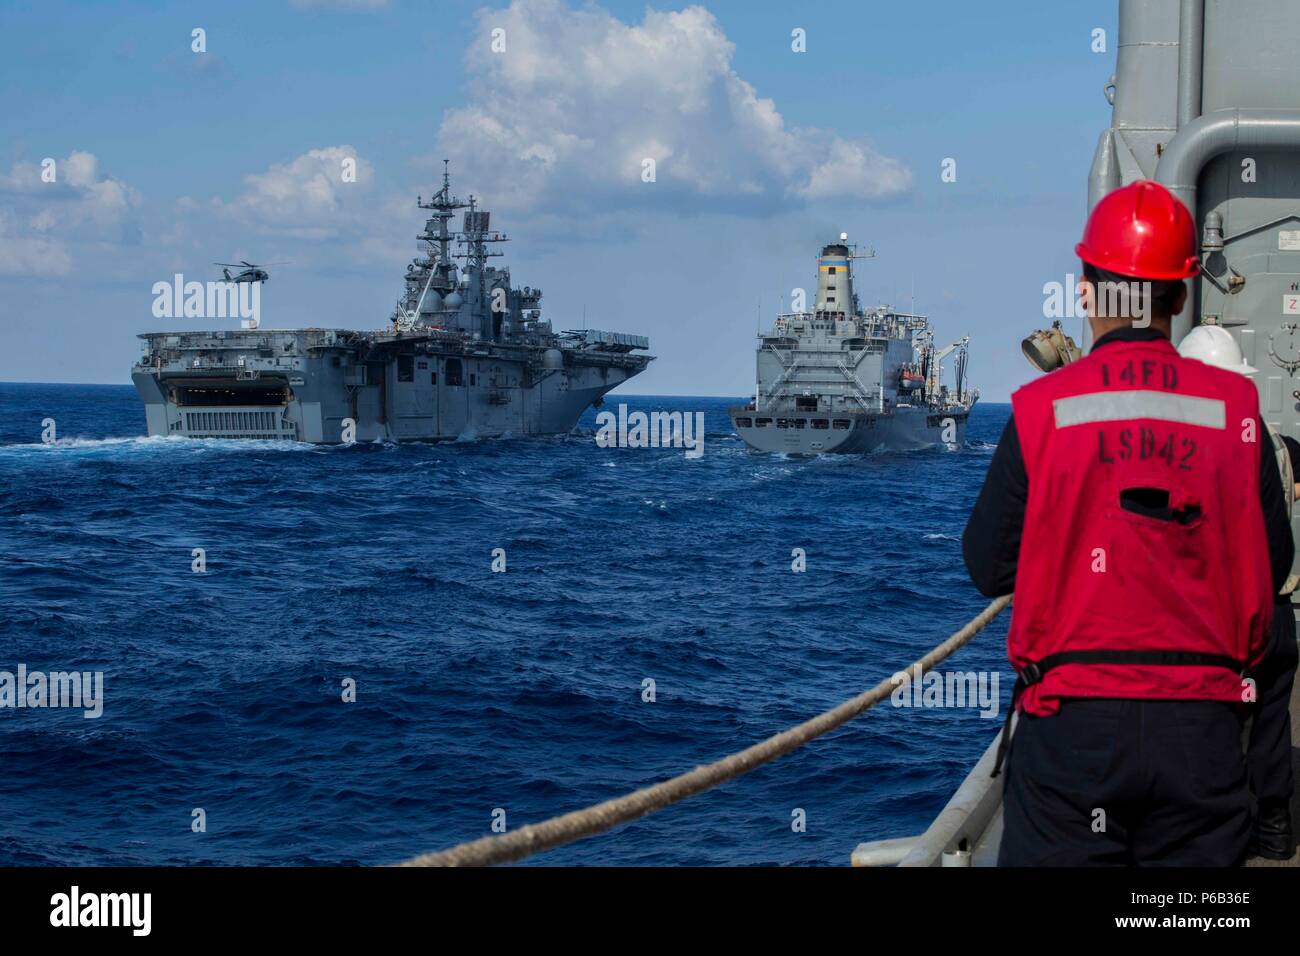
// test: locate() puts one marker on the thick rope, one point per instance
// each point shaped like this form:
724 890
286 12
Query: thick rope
535 837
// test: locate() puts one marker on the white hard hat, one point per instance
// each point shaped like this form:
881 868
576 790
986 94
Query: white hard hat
1214 345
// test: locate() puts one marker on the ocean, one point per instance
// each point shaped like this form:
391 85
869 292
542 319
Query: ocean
366 572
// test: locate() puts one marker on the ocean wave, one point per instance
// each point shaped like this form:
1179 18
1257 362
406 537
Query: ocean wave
649 618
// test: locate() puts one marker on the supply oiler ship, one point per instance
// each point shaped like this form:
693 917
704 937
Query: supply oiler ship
848 380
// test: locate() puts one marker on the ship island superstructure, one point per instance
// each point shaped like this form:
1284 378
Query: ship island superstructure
848 380
466 354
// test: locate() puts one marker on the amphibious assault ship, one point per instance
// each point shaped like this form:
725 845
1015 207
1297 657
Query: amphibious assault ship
466 354
844 380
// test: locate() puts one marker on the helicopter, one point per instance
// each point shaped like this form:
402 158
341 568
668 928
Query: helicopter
251 272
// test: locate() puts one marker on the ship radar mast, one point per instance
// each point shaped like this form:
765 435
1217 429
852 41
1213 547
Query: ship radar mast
431 277
853 248
476 235
442 206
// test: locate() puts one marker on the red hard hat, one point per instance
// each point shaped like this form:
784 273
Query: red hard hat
1141 230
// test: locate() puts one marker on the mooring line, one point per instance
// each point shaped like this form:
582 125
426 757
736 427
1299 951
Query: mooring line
557 831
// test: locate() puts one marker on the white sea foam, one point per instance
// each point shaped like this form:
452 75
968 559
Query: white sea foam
154 443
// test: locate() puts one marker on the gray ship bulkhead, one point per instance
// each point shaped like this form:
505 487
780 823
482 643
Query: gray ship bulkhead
302 385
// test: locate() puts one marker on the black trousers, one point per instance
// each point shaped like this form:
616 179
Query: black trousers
1127 783
1268 753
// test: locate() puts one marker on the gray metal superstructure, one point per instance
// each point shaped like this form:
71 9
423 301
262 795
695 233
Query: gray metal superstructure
466 354
841 379
1206 100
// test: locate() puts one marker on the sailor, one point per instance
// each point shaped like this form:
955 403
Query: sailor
1268 750
1135 510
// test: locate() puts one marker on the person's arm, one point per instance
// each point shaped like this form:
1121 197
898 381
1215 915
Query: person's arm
991 542
1277 526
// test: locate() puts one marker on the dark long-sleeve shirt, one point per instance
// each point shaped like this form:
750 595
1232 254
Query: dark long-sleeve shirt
991 542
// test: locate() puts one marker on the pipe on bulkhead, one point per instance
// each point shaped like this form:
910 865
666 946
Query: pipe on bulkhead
1191 31
1213 134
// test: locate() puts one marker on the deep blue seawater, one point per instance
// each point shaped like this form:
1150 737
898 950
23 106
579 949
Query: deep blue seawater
475 690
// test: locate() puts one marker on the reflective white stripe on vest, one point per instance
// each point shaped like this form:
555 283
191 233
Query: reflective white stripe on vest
1122 406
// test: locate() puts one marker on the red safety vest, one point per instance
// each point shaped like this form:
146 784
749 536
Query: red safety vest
1116 601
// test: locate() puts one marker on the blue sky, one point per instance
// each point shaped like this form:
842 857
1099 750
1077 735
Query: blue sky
170 160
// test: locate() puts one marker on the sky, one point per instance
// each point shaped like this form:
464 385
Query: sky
167 160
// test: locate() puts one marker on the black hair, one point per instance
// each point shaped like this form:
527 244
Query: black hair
1293 450
1164 292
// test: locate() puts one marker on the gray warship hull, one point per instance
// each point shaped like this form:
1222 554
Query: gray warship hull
903 429
466 355
310 384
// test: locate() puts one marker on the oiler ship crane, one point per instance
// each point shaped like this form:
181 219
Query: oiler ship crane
933 369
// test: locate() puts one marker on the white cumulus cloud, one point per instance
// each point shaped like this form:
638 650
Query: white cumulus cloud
47 223
320 194
24 254
578 100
